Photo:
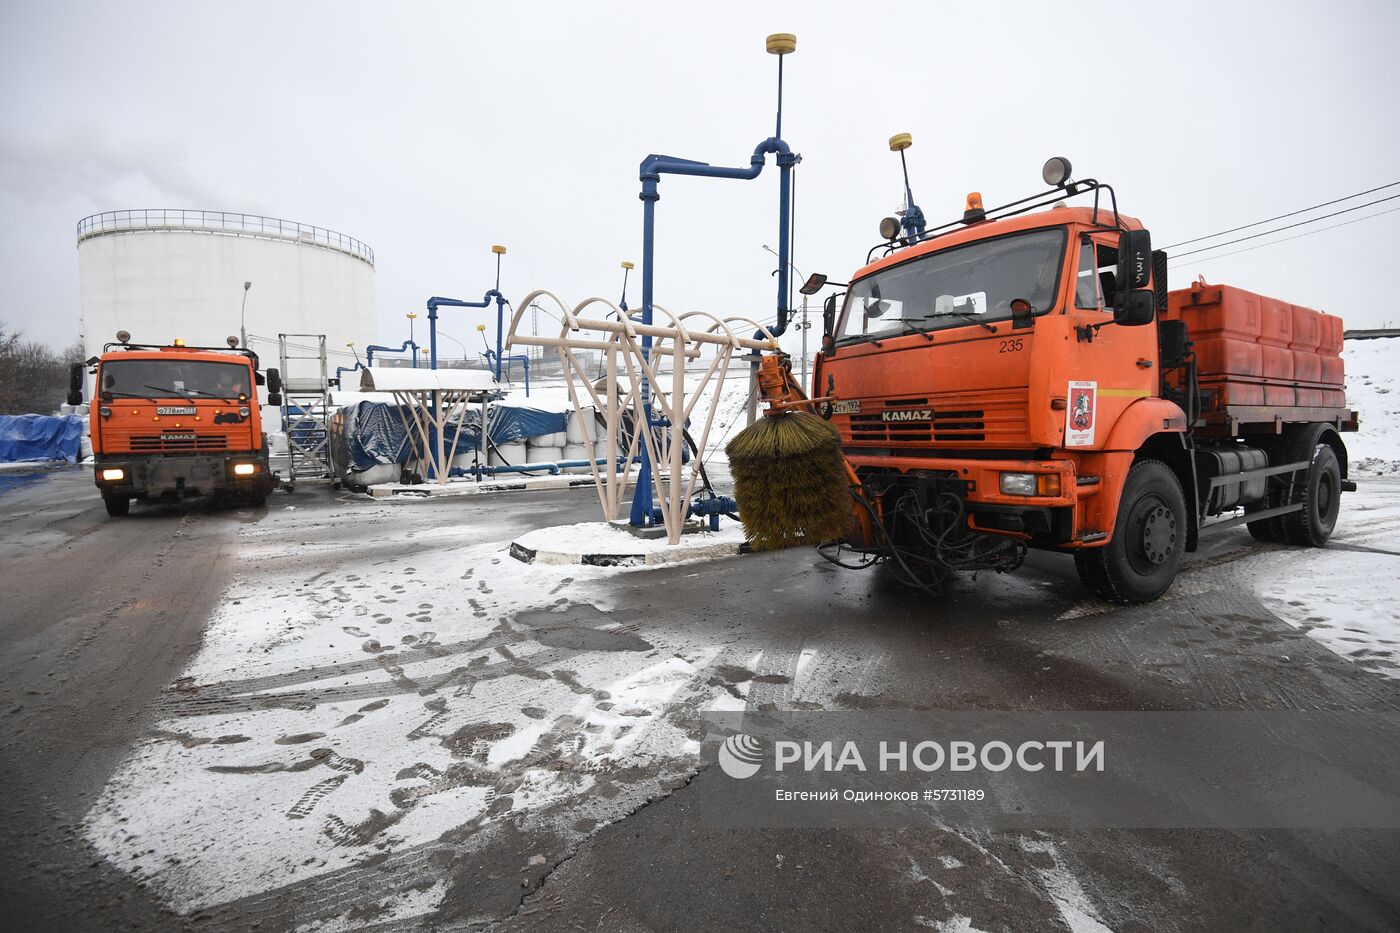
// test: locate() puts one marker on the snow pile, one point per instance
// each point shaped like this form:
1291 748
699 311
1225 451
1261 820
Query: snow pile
1373 390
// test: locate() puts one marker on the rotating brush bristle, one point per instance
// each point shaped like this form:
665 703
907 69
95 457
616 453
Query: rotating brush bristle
790 481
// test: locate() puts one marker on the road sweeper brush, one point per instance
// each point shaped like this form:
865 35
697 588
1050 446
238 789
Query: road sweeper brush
790 477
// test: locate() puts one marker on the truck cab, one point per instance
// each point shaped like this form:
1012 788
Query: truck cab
170 421
1011 382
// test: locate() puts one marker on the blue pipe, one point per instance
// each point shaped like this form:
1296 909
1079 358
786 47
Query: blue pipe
369 352
347 369
436 302
651 170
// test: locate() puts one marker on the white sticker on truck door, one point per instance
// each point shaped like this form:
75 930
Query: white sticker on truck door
1080 414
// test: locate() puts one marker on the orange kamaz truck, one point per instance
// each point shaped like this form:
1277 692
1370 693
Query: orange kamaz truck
174 421
1022 377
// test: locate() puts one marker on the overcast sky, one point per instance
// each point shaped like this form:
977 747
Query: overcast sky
431 131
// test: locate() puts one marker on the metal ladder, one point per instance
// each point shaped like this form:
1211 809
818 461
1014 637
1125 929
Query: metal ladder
305 403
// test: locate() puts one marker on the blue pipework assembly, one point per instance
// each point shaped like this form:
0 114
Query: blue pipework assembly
652 168
491 294
407 346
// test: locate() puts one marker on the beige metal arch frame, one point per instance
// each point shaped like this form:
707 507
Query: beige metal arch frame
618 336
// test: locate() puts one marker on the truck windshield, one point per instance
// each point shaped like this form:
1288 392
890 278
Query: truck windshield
174 379
970 283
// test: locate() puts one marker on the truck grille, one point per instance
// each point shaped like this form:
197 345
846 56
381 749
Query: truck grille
149 443
990 418
939 425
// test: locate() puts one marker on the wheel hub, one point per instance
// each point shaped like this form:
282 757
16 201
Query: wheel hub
1158 534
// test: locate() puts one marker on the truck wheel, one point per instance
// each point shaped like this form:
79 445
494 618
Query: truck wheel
1322 500
1140 561
117 506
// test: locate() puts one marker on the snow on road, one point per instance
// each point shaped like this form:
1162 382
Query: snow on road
422 680
1347 595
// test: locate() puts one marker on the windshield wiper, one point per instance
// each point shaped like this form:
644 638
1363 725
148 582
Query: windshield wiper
176 393
119 394
868 338
927 334
971 320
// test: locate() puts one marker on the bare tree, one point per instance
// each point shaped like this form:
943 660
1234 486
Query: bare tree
33 379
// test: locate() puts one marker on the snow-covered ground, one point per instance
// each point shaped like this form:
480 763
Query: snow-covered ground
1347 595
1373 390
426 680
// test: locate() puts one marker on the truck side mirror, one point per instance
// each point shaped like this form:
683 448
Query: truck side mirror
1134 259
1135 303
1135 307
75 383
274 388
829 316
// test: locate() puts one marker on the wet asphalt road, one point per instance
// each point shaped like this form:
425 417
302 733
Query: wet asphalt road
101 616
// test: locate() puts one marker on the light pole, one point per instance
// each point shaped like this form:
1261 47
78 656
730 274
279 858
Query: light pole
242 317
412 316
458 343
804 326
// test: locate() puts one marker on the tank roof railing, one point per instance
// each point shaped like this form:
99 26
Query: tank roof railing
221 222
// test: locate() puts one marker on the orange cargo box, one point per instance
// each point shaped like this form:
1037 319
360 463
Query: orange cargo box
1252 350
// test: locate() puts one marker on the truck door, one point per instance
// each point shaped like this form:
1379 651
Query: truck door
1108 367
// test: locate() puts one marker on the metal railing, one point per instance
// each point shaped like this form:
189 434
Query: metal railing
221 222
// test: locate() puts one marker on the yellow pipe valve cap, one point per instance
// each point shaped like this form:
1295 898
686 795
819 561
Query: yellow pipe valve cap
900 141
781 43
498 249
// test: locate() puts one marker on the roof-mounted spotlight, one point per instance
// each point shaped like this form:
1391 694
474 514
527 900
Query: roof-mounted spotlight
231 341
123 336
1056 172
889 228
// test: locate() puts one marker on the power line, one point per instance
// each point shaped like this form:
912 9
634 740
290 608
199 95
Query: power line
1296 236
1282 216
1301 223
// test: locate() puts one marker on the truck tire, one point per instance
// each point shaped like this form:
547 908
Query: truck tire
117 506
1267 530
1322 499
1149 536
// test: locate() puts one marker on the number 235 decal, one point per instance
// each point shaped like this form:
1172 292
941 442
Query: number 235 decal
1012 345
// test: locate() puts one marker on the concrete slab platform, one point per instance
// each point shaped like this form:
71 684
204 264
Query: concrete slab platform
611 544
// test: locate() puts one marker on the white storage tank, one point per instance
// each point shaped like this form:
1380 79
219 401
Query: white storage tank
163 274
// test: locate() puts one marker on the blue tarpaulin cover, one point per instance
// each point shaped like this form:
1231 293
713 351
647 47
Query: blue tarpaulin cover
365 434
40 437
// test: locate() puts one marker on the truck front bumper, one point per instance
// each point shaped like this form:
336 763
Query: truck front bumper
151 476
1044 518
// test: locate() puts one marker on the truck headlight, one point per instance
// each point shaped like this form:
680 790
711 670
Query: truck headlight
113 475
243 412
1030 484
244 469
1018 484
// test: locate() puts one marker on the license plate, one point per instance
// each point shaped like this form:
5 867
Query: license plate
846 407
176 410
177 437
